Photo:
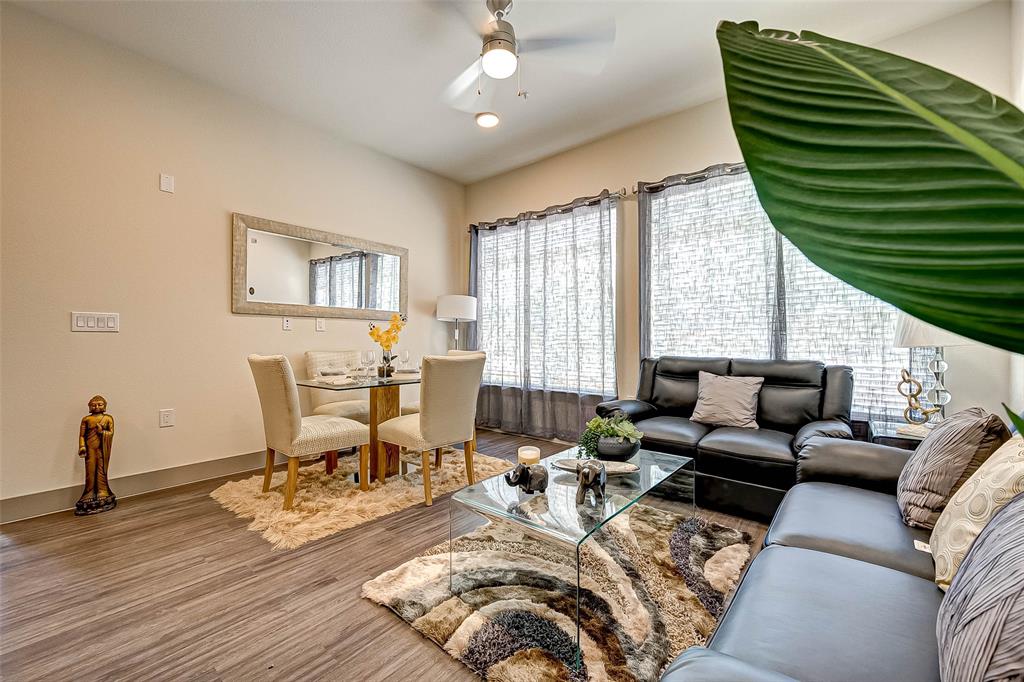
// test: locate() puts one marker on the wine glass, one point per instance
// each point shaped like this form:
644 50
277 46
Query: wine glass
367 358
403 358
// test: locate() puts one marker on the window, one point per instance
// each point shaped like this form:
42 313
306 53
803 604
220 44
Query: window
720 280
545 286
337 281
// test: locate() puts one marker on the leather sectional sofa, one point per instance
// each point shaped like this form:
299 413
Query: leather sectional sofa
839 593
745 471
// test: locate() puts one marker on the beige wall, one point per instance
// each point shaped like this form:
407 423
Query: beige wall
86 129
974 45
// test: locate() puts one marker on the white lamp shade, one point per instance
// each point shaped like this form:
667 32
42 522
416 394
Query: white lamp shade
914 333
455 307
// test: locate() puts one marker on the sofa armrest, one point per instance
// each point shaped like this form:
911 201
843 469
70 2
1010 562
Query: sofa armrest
829 428
851 462
635 410
698 664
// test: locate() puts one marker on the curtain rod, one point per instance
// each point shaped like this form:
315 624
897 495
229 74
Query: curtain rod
715 171
550 210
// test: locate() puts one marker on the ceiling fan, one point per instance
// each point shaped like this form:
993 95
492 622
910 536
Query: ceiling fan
582 49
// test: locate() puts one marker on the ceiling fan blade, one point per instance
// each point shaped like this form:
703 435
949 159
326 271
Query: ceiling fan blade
585 49
469 16
461 93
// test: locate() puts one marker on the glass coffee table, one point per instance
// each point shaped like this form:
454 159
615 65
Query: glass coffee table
560 520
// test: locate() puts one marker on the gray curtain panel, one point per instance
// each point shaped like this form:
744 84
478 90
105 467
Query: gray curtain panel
337 281
545 282
717 279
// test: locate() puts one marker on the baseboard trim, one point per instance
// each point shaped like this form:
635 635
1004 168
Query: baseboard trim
63 499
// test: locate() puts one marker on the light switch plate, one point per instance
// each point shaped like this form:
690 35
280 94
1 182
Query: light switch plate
286 324
166 417
321 324
167 183
95 322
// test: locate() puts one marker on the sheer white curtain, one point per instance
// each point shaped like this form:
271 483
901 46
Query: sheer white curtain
545 285
719 280
336 281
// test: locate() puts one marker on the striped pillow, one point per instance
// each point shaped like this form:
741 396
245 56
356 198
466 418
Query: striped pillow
953 451
980 627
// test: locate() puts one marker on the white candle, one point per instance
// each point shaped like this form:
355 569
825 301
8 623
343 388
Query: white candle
529 454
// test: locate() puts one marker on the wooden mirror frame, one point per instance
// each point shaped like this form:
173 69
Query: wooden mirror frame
241 223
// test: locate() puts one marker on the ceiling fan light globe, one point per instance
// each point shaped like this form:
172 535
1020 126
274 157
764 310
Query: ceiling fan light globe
498 59
487 119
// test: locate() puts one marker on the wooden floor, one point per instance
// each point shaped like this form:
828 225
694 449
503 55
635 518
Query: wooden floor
171 586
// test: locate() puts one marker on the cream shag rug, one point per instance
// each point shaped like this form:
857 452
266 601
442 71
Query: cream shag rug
326 504
653 584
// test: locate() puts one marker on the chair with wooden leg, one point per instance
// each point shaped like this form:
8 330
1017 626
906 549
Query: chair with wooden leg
448 391
297 437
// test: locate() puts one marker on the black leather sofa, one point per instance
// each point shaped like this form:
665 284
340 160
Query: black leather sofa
839 593
745 471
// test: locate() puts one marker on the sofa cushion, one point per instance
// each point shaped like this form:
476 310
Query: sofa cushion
992 486
823 617
980 623
760 456
850 522
698 664
727 401
677 435
792 392
674 383
953 451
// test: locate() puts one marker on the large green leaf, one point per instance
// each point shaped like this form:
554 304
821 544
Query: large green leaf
903 180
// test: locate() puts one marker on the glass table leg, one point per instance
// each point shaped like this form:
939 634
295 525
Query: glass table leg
579 644
451 545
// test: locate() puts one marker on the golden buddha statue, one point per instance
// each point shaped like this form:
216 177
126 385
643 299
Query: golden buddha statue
94 440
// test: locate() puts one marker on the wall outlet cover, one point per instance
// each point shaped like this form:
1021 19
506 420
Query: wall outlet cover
166 417
286 324
321 324
167 183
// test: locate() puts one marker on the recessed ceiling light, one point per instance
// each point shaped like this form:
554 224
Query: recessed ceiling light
487 119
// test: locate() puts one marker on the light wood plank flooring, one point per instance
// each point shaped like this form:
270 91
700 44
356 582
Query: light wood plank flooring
171 586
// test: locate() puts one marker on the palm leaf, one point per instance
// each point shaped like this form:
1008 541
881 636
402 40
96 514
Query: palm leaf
900 179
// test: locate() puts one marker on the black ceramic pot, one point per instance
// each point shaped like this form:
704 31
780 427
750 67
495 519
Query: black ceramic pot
610 448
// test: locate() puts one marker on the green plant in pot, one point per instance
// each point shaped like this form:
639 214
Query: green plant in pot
612 438
898 178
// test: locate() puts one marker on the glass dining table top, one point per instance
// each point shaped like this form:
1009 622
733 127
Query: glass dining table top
554 513
325 383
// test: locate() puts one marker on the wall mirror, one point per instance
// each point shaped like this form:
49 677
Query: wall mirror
282 269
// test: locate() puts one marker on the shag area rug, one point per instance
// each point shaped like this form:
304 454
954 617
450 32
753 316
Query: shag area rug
653 584
325 505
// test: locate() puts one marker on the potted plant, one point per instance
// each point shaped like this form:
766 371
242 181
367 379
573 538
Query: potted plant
387 338
612 438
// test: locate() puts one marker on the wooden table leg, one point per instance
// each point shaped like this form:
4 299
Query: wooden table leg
384 404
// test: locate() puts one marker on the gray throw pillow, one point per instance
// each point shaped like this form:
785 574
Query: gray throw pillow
727 401
947 457
980 627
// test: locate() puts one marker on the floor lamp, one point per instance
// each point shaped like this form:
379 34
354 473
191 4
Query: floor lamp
456 308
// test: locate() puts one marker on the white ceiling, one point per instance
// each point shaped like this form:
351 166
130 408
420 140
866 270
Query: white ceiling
374 71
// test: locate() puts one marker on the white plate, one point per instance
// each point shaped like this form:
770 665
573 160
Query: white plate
613 468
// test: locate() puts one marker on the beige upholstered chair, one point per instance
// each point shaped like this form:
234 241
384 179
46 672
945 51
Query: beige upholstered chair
414 407
295 436
348 404
449 392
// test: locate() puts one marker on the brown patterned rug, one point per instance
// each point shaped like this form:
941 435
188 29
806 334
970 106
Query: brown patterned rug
654 584
325 505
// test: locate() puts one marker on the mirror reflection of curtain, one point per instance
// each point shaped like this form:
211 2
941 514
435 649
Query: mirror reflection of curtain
337 281
383 272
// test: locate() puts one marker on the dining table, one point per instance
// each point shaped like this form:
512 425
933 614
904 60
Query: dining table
385 403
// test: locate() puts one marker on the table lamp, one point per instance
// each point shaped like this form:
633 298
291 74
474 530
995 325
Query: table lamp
456 308
914 333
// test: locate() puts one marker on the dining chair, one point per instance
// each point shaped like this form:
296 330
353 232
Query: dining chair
289 433
449 389
353 404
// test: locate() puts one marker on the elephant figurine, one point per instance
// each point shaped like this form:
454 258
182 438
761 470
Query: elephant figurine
590 475
532 479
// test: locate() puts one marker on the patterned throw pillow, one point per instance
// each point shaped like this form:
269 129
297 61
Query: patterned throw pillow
980 627
995 483
727 401
950 454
